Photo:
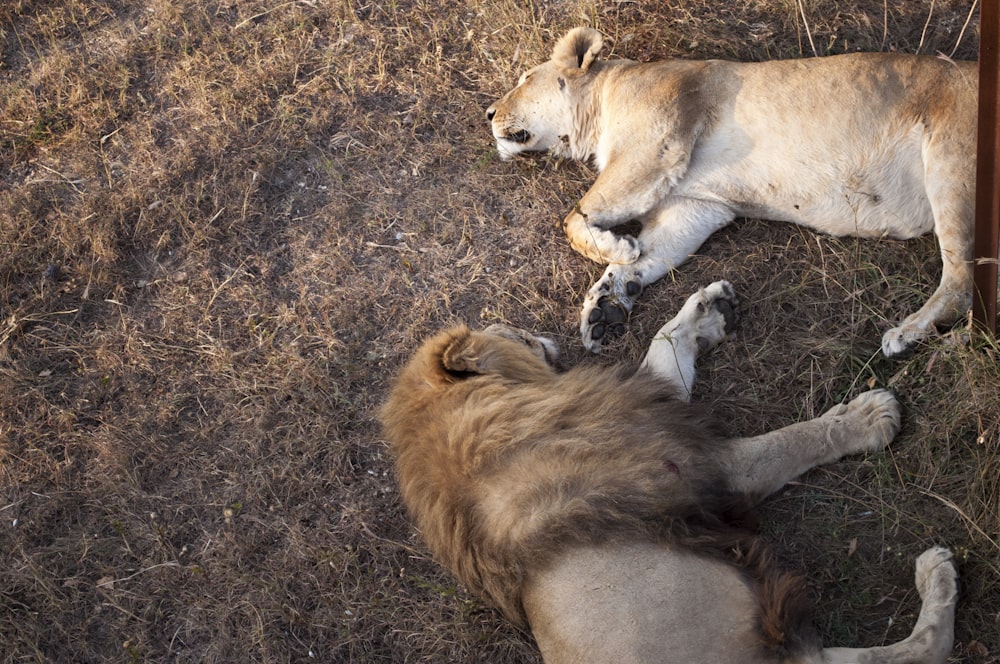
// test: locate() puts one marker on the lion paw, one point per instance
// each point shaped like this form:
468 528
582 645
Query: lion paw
708 316
623 251
606 309
605 247
867 423
900 342
936 576
716 308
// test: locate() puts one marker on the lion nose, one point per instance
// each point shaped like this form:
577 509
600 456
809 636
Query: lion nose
490 112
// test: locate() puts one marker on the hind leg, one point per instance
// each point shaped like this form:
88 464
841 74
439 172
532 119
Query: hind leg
761 465
933 635
954 218
952 298
702 323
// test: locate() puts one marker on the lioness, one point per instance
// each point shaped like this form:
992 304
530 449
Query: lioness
867 144
600 509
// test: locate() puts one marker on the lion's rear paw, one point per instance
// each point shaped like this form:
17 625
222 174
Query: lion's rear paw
900 342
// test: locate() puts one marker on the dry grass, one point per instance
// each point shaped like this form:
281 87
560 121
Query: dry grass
225 225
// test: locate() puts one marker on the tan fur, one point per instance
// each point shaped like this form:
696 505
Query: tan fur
602 510
866 144
502 460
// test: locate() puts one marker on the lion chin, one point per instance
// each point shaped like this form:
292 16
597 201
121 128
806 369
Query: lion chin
599 508
505 151
511 145
865 144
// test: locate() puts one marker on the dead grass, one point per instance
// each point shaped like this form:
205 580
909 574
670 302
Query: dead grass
227 223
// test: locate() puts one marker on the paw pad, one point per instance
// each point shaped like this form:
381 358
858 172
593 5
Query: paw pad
608 319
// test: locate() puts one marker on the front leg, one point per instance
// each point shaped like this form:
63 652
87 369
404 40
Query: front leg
676 230
708 317
761 465
588 235
644 156
608 204
632 186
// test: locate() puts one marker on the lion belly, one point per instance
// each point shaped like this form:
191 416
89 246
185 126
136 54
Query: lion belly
872 187
642 603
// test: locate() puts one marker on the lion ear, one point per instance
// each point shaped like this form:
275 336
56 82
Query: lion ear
578 49
470 354
462 355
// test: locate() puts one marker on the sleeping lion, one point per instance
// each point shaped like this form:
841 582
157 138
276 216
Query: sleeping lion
867 144
601 510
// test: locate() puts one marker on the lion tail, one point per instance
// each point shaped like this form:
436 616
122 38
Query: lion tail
784 604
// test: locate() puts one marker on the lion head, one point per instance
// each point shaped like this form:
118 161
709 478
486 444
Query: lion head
543 111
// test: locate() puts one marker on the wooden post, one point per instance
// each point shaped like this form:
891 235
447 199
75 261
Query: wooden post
984 303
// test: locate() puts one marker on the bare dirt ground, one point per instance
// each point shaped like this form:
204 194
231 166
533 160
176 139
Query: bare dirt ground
224 225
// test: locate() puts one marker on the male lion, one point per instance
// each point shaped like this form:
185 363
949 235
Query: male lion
600 509
867 144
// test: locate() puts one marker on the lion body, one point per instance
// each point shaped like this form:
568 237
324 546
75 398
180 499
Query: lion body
501 470
757 152
866 144
599 508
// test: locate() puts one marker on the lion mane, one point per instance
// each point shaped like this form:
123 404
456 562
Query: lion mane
503 462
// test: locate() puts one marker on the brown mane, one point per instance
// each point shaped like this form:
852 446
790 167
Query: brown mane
504 462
